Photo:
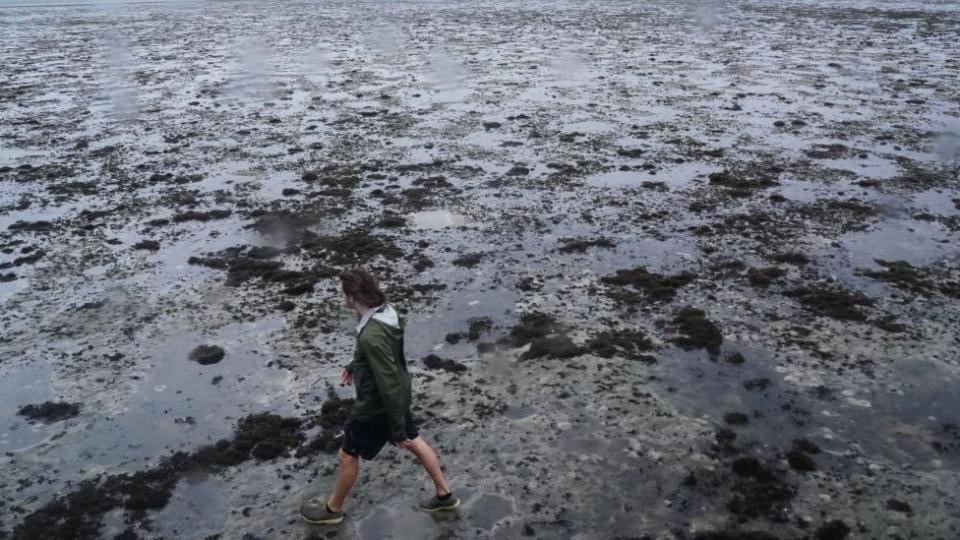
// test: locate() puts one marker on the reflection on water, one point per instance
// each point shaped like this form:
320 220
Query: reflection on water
20 386
436 219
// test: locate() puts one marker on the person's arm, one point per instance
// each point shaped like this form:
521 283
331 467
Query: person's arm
346 376
389 381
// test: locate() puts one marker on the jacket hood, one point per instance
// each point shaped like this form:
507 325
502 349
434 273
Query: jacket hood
384 314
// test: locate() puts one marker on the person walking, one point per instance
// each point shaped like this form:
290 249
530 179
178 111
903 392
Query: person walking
381 411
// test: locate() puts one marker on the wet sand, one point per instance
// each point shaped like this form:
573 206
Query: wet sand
670 270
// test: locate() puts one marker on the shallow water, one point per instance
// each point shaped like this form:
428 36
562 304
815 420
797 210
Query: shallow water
531 111
437 219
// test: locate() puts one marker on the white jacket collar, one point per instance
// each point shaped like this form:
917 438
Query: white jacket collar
385 314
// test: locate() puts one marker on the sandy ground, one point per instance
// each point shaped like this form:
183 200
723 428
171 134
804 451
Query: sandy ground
687 270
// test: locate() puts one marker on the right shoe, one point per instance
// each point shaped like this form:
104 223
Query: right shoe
436 504
317 512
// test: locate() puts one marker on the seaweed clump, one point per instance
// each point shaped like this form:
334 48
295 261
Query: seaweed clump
580 245
545 336
333 415
760 490
435 362
532 326
695 331
207 354
555 346
905 276
644 285
50 411
763 277
628 343
833 303
78 515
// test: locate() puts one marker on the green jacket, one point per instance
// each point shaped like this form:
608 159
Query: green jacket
380 374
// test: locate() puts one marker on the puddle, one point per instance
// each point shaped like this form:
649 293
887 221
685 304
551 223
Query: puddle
929 394
10 288
488 140
938 202
198 508
426 332
802 191
172 259
674 175
389 523
488 509
21 386
871 167
902 423
169 403
50 213
896 424
917 242
251 119
10 154
633 179
437 219
710 388
593 127
518 412
681 174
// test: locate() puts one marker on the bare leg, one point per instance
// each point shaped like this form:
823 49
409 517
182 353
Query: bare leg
428 458
346 476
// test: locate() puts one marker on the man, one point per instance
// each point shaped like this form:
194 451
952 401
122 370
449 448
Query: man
381 412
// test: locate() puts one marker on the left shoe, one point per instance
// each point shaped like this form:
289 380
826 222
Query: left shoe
317 512
436 504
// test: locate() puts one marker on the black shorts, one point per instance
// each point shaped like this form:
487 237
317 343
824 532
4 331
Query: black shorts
365 438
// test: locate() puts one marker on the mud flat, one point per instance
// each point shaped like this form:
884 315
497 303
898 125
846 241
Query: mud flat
670 270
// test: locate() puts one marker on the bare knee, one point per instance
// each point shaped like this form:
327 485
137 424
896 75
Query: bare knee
346 459
420 447
417 443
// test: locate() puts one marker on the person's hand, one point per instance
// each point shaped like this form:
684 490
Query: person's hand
346 377
406 443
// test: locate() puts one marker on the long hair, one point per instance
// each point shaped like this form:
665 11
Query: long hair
362 286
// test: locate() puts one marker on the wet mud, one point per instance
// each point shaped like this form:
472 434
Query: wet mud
671 270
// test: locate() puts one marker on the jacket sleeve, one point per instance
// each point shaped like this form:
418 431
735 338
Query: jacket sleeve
389 381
